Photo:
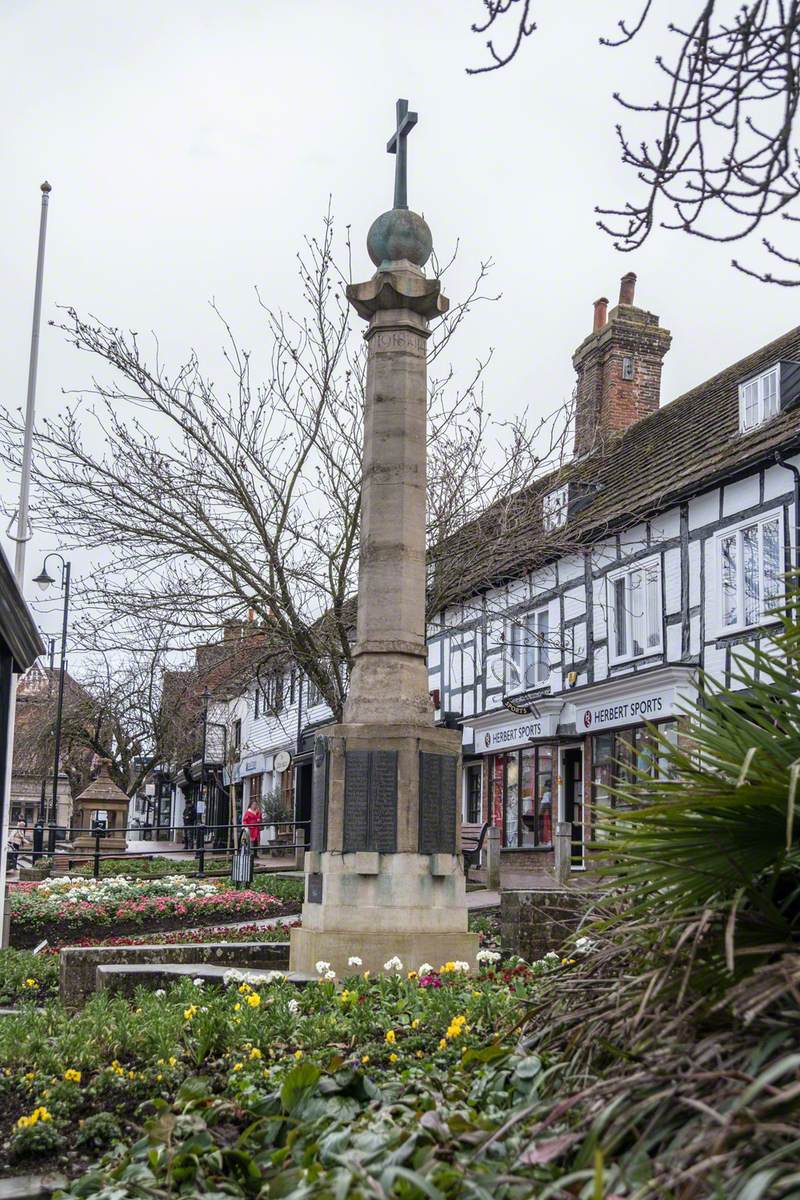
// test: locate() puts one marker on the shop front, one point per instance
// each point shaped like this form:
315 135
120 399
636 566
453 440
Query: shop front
521 757
561 762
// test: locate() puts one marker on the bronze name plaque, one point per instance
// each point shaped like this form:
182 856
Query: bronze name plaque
437 803
370 801
314 888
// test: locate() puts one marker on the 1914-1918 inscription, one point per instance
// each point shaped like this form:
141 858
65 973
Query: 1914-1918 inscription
437 803
370 801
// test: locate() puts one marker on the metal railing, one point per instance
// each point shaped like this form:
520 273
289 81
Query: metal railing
224 838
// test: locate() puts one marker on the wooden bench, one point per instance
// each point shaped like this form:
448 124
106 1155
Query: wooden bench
472 845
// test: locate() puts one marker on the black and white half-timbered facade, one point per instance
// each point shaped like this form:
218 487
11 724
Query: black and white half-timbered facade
656 551
662 547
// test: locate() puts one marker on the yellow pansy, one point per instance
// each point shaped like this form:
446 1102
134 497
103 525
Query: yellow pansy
391 1037
254 1000
72 1076
393 1058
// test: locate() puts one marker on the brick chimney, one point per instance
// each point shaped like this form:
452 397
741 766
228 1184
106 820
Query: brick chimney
618 367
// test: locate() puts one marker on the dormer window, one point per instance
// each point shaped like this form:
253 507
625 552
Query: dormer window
759 399
554 508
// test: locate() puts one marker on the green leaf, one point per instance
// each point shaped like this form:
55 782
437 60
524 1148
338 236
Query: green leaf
299 1084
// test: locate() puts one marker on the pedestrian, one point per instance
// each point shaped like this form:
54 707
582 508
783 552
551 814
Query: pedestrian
251 821
189 820
18 840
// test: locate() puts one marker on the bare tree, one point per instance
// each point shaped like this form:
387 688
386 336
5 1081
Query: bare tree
209 502
721 157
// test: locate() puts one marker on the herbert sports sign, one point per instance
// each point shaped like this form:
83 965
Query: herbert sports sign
514 733
608 714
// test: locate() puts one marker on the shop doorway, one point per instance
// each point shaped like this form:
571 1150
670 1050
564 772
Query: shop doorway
304 775
572 773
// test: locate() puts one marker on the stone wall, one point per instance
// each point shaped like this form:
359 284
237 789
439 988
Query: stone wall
533 922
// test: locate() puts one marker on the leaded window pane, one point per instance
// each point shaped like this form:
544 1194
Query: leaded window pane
752 598
620 617
730 605
771 551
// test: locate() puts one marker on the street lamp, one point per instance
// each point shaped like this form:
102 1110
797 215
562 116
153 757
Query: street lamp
44 581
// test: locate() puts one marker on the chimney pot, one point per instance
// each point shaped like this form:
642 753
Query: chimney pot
627 288
600 314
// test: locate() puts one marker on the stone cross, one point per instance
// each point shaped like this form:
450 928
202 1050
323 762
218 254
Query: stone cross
397 145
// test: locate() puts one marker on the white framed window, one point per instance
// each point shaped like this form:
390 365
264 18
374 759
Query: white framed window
749 569
554 508
634 606
314 694
759 398
528 642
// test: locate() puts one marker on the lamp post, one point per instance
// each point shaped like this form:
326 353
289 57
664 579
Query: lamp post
44 581
201 811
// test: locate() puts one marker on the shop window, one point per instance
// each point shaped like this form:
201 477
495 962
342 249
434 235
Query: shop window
255 788
473 779
749 570
626 756
634 603
237 735
523 793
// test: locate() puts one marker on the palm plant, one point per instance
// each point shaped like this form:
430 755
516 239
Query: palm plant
712 847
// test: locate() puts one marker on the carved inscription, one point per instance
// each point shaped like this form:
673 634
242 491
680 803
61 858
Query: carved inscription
314 888
437 803
319 796
370 801
399 340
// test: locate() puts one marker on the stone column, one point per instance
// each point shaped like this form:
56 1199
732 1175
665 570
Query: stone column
384 875
390 677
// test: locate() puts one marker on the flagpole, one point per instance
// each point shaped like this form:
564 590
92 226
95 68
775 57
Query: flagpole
23 531
21 539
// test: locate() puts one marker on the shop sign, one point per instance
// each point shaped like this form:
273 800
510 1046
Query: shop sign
515 733
656 705
252 765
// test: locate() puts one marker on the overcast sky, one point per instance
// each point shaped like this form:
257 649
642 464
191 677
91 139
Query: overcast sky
192 144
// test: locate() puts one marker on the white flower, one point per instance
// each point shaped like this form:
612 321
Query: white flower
198 983
321 967
424 969
159 992
487 956
354 961
329 975
463 967
294 1007
585 945
393 964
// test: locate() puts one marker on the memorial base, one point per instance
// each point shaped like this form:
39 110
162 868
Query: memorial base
310 946
378 906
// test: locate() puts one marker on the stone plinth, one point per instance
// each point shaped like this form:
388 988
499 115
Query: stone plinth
376 902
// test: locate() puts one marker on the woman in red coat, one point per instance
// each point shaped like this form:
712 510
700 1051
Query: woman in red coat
251 821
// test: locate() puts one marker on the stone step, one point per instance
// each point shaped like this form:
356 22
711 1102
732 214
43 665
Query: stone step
31 1187
124 978
78 964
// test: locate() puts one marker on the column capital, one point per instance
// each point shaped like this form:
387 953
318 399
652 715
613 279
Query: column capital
398 289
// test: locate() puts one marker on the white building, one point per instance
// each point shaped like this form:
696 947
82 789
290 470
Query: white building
658 550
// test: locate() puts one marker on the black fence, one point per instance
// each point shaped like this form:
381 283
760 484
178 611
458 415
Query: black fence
207 842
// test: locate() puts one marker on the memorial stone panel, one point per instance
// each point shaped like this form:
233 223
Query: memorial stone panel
437 803
314 888
370 801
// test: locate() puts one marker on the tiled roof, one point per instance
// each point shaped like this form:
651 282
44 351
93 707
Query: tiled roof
678 451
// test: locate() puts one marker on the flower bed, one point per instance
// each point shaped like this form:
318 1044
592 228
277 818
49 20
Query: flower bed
96 1073
68 908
